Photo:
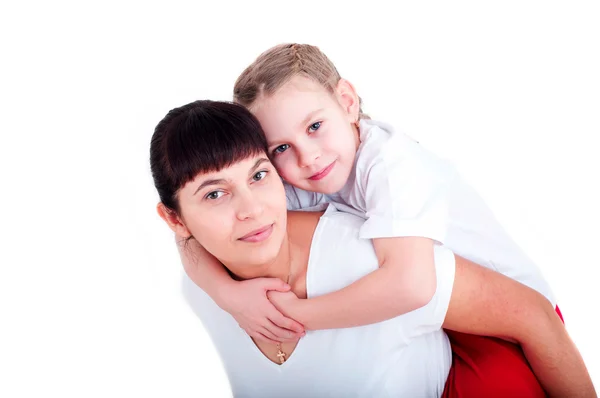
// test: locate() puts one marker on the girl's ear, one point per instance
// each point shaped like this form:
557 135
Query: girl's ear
348 99
173 220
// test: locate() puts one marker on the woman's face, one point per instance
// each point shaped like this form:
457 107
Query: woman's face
238 214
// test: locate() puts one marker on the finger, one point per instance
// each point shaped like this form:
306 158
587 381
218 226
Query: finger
266 332
250 332
281 334
264 339
275 284
284 322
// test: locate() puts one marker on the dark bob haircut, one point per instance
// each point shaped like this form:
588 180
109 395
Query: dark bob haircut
201 137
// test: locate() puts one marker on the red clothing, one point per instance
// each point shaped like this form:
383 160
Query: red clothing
489 367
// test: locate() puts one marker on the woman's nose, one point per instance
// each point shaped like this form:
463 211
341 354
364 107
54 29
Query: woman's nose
249 206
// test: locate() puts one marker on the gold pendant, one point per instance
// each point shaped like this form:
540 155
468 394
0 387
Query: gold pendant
280 354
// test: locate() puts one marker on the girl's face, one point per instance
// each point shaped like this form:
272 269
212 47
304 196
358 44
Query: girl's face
311 133
237 214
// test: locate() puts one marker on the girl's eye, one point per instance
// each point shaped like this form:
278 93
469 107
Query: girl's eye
214 195
260 175
280 149
314 127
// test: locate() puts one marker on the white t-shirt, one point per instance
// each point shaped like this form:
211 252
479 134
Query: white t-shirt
402 189
407 356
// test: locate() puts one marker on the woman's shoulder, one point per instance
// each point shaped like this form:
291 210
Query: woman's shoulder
322 230
338 256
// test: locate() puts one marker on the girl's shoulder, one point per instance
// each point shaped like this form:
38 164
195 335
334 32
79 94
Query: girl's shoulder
390 155
380 142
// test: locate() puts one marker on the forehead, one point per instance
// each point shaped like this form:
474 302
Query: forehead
232 174
291 103
298 87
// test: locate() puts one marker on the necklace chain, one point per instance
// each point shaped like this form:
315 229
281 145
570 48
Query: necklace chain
280 354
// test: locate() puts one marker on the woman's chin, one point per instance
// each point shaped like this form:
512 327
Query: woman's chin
252 262
257 258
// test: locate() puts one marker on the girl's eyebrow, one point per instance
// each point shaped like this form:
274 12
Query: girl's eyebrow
310 116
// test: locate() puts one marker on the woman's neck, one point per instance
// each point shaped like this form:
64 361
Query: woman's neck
291 262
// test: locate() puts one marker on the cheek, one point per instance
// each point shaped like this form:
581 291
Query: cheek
279 199
286 167
331 145
273 196
343 141
212 230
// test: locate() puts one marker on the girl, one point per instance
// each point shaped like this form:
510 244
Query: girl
327 149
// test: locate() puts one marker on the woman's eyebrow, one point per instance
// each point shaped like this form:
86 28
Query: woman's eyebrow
209 182
258 163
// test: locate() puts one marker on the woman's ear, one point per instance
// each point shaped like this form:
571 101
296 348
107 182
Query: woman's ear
173 220
348 99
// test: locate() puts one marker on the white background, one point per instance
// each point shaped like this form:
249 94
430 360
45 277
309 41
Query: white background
90 301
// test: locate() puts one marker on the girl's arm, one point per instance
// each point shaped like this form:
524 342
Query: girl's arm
405 281
246 301
488 303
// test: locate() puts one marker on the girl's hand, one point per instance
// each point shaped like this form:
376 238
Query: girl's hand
247 302
283 301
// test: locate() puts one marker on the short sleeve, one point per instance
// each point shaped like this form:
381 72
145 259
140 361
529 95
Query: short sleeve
298 199
430 317
405 191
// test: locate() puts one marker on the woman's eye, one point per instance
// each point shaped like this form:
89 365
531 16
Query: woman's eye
214 195
260 175
314 127
280 149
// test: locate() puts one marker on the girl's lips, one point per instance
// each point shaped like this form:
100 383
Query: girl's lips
258 235
323 173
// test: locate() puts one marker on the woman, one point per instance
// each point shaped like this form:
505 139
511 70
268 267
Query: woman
218 188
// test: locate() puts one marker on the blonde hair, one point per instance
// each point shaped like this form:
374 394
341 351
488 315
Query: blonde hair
278 65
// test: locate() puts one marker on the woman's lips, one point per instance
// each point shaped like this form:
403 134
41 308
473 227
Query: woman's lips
258 235
323 173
